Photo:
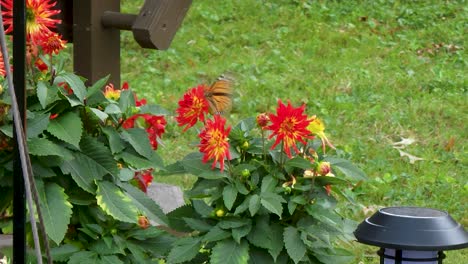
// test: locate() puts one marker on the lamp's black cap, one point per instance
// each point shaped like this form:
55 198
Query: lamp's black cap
412 228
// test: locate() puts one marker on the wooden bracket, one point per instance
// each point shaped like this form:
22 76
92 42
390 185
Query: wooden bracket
156 24
93 27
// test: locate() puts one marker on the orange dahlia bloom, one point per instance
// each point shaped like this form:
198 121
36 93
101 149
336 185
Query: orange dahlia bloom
51 42
214 141
192 107
39 19
111 93
289 125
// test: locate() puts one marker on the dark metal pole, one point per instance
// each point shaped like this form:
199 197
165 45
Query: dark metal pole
19 80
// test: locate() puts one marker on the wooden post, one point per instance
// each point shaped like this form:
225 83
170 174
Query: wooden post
96 49
93 26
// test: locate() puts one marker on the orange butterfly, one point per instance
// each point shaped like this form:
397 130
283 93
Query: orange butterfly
219 95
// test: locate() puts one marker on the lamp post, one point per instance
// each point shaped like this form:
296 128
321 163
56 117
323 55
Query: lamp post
411 235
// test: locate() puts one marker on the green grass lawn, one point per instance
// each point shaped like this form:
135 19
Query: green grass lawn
375 71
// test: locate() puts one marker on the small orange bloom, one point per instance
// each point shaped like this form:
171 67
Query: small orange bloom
289 125
51 43
324 169
263 120
214 141
143 222
111 93
192 107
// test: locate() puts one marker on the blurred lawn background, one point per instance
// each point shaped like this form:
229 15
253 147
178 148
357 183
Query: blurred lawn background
375 71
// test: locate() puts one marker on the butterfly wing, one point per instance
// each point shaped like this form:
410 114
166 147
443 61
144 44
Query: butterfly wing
219 95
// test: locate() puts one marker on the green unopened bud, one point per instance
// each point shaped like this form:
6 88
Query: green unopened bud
220 213
245 173
245 145
287 189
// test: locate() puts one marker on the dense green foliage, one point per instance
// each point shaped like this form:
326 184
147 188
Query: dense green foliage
376 71
86 164
266 207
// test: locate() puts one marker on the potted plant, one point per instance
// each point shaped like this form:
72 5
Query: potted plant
93 153
270 194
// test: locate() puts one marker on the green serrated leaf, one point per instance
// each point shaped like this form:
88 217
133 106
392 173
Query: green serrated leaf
197 224
111 259
259 256
97 86
229 196
37 125
185 250
99 114
56 210
127 100
273 203
136 161
333 256
233 222
152 210
159 245
83 257
297 162
67 127
241 187
76 84
291 207
45 147
258 236
115 203
98 152
324 180
268 184
112 109
137 252
63 252
126 174
202 208
254 204
276 238
193 164
42 93
115 142
102 248
230 252
293 243
240 232
84 171
243 206
216 234
138 139
347 168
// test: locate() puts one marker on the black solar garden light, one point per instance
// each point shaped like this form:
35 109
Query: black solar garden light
412 235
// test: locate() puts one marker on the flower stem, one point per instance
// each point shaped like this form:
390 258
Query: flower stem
263 143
